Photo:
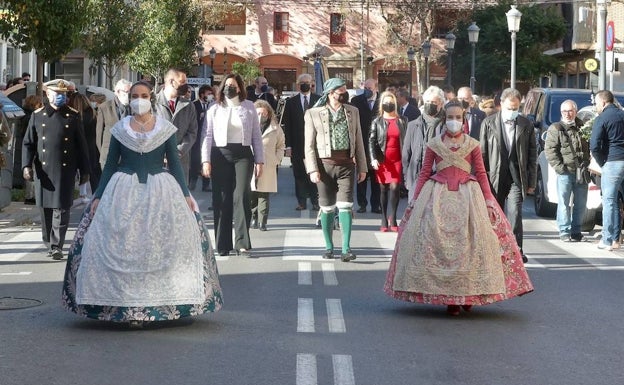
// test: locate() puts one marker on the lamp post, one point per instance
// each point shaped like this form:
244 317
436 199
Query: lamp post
473 38
410 58
602 43
200 55
513 24
213 55
224 60
426 50
450 45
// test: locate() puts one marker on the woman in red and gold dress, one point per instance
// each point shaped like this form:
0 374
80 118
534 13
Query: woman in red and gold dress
384 146
455 247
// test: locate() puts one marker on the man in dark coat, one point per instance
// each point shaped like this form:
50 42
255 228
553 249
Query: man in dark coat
261 91
367 104
54 148
294 127
474 116
205 100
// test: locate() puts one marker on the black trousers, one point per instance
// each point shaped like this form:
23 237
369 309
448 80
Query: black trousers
304 188
195 167
232 168
362 188
54 223
510 199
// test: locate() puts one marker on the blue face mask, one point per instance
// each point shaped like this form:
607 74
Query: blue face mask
60 100
264 88
367 93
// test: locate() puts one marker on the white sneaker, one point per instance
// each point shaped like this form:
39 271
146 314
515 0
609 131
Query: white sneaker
603 246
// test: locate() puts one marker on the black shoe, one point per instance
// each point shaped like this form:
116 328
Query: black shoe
223 253
525 259
57 254
376 211
576 237
30 201
301 208
316 207
348 256
329 254
253 224
362 209
263 228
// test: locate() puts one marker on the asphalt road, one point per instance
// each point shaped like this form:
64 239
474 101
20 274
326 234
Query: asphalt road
292 318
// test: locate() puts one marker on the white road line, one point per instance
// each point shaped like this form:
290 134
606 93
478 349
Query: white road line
306 369
21 245
334 316
305 273
329 274
19 273
305 315
303 245
343 369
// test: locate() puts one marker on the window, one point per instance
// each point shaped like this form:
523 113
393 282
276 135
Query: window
337 29
345 74
280 28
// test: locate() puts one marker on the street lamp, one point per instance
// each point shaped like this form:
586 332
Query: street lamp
426 50
473 38
513 24
213 55
224 60
410 58
200 55
450 45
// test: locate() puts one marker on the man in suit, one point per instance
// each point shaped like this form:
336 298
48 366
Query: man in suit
54 148
405 108
334 152
510 157
205 99
367 104
261 91
293 123
109 113
474 116
172 105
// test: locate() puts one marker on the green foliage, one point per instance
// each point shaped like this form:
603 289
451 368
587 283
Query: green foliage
114 31
170 34
51 27
248 70
540 28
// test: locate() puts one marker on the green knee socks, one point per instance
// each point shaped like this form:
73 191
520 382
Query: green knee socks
346 219
327 223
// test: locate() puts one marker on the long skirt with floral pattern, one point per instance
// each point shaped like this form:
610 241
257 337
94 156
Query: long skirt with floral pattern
213 297
422 213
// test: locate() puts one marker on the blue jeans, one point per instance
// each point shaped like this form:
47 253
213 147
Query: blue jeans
566 185
612 177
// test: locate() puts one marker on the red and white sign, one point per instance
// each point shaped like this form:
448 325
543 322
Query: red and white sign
610 37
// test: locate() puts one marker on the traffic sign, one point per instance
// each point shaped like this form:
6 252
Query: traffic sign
610 36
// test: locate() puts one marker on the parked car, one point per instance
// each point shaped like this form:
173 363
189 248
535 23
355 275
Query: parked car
542 108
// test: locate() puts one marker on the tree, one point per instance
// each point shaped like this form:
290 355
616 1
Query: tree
114 31
541 28
248 70
171 30
51 27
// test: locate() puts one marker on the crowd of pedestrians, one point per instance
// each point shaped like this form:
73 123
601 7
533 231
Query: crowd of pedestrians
466 165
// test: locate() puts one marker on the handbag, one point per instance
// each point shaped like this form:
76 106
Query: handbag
582 174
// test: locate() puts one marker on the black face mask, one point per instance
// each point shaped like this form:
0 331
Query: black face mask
388 107
431 109
183 89
230 92
304 87
264 88
343 98
465 104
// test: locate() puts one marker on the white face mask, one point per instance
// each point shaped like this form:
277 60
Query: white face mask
509 114
209 98
454 126
140 106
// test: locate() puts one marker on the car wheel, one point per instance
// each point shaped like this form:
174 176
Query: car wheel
543 207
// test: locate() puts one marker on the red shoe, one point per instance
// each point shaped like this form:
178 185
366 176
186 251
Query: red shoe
466 308
453 310
383 229
394 229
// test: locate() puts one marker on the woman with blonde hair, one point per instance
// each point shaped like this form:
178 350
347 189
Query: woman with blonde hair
273 143
384 145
